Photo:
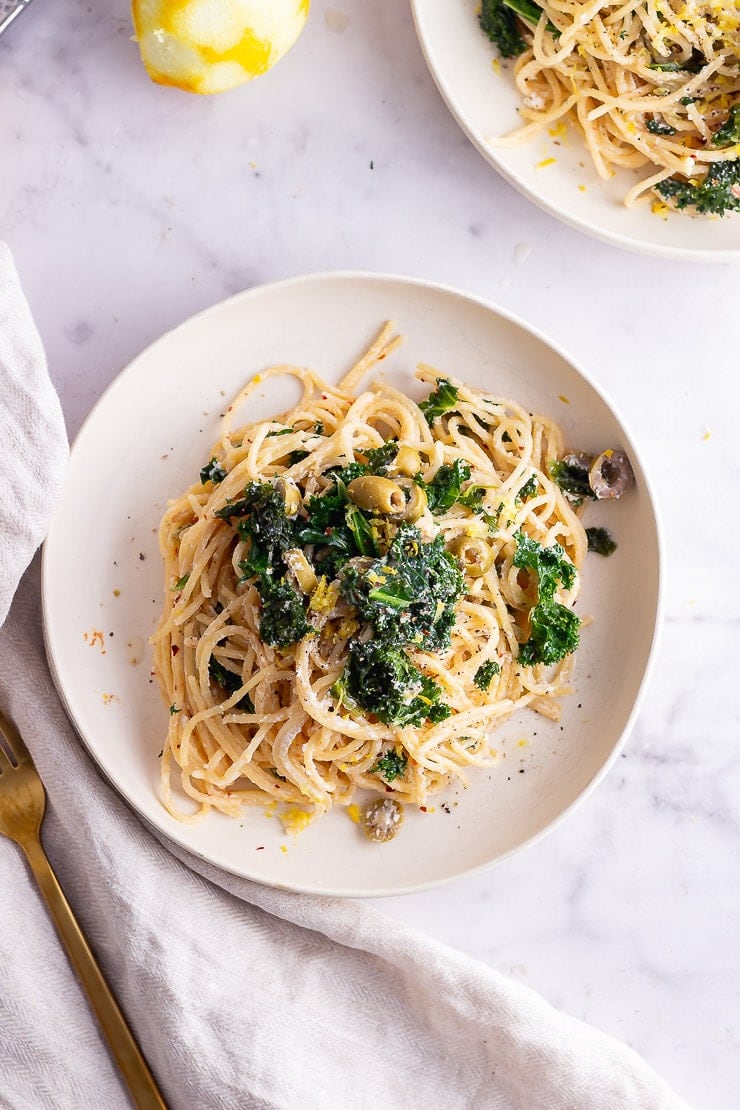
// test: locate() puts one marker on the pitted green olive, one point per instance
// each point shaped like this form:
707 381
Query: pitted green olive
416 505
475 555
377 495
299 565
407 461
290 494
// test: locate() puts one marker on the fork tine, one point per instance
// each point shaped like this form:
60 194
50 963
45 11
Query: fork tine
11 743
5 764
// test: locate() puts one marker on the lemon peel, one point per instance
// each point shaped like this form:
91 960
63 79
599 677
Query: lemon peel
208 46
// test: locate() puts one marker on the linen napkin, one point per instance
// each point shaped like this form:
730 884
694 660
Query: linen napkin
240 996
33 443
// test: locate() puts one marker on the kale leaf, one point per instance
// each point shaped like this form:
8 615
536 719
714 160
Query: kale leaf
296 457
553 627
498 20
444 489
442 400
283 620
380 458
729 132
718 192
392 764
472 498
572 477
601 541
553 634
483 677
334 522
528 490
408 596
339 526
502 28
229 683
382 680
693 64
656 127
260 517
530 12
212 472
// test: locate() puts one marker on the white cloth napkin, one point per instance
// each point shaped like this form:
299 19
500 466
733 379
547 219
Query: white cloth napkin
33 442
240 996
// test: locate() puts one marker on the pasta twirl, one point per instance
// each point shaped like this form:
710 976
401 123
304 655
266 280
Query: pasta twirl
650 84
358 591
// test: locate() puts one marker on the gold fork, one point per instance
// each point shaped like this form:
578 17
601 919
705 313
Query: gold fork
22 805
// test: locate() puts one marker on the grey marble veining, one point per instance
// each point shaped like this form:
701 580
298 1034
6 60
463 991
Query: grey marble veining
130 206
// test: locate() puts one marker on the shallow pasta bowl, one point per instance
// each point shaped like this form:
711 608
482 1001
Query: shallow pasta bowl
553 171
102 577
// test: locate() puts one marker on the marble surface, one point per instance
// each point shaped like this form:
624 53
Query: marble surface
130 206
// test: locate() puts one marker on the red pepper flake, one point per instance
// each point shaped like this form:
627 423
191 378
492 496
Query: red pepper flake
95 638
174 649
423 809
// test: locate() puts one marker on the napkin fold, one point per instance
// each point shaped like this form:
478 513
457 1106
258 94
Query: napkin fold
240 996
33 442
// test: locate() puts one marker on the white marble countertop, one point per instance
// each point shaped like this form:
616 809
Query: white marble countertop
130 206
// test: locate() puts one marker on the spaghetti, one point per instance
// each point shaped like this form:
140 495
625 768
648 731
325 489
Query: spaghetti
322 634
649 83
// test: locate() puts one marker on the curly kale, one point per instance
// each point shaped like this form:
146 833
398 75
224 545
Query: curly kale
259 515
660 127
501 26
339 529
229 683
283 620
498 20
693 64
392 764
484 675
212 472
442 400
472 498
334 523
377 461
601 541
553 627
528 490
572 477
729 132
408 596
446 485
382 680
718 192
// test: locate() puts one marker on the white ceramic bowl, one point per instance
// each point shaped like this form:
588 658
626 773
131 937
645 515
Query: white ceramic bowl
150 434
485 104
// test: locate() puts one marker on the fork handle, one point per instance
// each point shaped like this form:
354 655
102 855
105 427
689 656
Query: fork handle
125 1051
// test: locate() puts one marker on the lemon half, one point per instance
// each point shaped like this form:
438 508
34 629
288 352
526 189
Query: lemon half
208 46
